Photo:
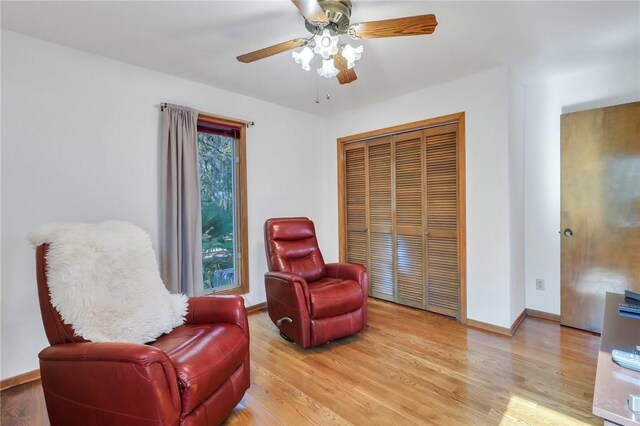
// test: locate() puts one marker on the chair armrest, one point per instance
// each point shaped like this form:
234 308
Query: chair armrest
213 309
349 271
105 351
108 375
288 288
346 271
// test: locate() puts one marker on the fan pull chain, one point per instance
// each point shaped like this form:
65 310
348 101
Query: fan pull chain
328 96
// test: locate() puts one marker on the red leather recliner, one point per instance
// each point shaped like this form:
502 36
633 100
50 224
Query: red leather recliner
194 375
310 302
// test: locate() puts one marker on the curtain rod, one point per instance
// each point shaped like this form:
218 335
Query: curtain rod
222 117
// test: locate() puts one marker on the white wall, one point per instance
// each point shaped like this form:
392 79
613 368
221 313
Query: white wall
80 141
545 102
484 99
80 137
516 196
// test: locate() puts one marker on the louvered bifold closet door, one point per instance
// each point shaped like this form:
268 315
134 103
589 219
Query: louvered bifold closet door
410 253
355 203
380 198
443 280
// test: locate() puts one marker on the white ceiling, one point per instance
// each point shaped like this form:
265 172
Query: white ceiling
200 40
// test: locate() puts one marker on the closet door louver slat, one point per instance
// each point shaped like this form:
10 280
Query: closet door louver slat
355 178
409 218
381 269
443 281
381 280
411 270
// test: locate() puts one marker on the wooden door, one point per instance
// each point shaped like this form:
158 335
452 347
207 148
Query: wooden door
408 223
356 209
442 219
402 212
380 185
600 202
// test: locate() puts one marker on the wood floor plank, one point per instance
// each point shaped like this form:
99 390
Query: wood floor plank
289 403
408 367
23 406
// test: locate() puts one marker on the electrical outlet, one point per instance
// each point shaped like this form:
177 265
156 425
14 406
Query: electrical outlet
539 284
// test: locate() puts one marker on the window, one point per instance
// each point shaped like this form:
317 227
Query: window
221 165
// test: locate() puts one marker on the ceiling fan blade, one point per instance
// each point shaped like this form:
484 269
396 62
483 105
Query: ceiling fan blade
272 50
311 10
345 75
411 25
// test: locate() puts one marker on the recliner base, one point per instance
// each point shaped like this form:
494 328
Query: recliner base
285 337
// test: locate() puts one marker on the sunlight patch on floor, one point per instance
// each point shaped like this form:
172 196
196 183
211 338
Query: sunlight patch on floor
522 411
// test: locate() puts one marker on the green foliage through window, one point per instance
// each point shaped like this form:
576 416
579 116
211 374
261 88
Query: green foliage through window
216 168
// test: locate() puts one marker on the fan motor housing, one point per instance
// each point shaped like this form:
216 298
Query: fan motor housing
338 13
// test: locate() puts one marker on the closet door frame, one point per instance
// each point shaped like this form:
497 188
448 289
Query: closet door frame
458 118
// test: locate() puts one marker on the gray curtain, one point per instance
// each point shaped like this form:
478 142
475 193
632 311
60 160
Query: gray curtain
180 222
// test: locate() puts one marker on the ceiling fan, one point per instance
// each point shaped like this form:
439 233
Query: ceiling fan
327 20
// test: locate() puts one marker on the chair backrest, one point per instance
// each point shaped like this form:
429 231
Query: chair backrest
291 246
55 328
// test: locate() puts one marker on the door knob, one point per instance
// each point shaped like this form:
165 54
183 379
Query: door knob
568 232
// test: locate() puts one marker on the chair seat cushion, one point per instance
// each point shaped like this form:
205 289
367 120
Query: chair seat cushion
204 357
332 296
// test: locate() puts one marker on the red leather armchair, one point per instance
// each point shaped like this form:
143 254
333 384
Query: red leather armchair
194 375
310 302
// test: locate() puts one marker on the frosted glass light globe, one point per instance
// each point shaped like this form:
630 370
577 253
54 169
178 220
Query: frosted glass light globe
303 58
351 54
326 44
328 70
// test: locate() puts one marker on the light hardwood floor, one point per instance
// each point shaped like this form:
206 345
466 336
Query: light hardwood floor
408 367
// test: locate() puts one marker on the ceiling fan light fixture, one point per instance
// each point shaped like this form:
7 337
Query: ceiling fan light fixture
351 54
330 20
326 44
303 57
328 69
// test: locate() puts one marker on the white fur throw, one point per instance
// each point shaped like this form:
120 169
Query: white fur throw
103 279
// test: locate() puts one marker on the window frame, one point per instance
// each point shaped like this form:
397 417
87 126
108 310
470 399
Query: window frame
240 211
